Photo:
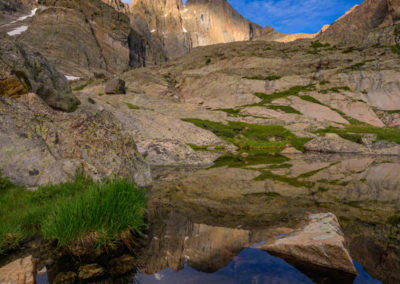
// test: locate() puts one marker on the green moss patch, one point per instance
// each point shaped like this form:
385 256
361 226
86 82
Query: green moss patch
264 78
270 138
294 91
354 132
131 106
286 109
253 159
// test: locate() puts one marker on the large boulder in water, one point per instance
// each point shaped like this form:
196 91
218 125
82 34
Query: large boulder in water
23 71
319 242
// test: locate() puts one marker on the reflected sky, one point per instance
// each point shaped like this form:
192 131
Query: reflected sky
250 266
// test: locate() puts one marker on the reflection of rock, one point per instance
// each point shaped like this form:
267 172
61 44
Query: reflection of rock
206 248
319 243
211 248
332 143
20 271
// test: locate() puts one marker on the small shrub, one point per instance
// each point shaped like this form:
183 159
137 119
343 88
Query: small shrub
208 61
100 94
317 44
322 83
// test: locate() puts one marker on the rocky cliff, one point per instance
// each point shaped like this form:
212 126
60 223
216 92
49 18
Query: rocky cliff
211 22
181 27
371 22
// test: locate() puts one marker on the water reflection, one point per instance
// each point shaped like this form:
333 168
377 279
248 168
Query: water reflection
250 266
202 222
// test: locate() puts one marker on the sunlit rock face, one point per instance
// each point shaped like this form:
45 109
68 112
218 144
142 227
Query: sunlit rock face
211 22
200 22
358 24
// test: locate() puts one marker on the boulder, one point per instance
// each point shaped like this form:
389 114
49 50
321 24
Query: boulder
20 271
115 87
319 242
41 146
332 143
23 71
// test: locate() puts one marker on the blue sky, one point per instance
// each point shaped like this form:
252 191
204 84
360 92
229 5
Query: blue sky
292 16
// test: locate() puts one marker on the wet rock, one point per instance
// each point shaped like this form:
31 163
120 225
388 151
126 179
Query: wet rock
290 150
23 71
320 242
20 271
115 87
332 143
65 278
90 271
121 265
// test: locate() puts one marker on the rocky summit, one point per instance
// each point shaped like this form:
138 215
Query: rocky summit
243 136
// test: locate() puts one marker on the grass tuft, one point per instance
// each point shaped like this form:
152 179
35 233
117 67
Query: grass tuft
56 211
105 208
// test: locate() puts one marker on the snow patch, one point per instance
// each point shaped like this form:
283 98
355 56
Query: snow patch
18 31
152 31
72 78
23 18
184 30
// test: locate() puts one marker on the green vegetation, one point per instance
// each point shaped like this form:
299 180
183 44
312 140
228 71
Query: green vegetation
231 111
105 209
353 132
267 78
254 158
287 109
270 138
335 90
394 220
294 91
322 83
205 147
69 211
100 94
395 49
208 61
5 182
293 181
317 44
393 111
131 106
311 99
